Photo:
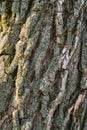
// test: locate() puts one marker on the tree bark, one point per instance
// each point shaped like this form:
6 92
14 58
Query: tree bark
43 65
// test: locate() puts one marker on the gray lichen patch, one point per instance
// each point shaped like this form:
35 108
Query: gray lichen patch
4 92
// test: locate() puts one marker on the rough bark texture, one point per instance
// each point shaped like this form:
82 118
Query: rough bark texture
43 65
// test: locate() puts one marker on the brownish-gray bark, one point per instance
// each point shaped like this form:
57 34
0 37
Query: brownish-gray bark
43 65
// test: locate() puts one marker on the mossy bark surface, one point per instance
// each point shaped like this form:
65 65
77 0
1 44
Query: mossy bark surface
43 65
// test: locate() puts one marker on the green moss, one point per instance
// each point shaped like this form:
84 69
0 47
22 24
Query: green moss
7 63
5 48
4 19
5 8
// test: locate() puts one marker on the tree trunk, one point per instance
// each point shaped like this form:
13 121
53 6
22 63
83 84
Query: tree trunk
43 65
